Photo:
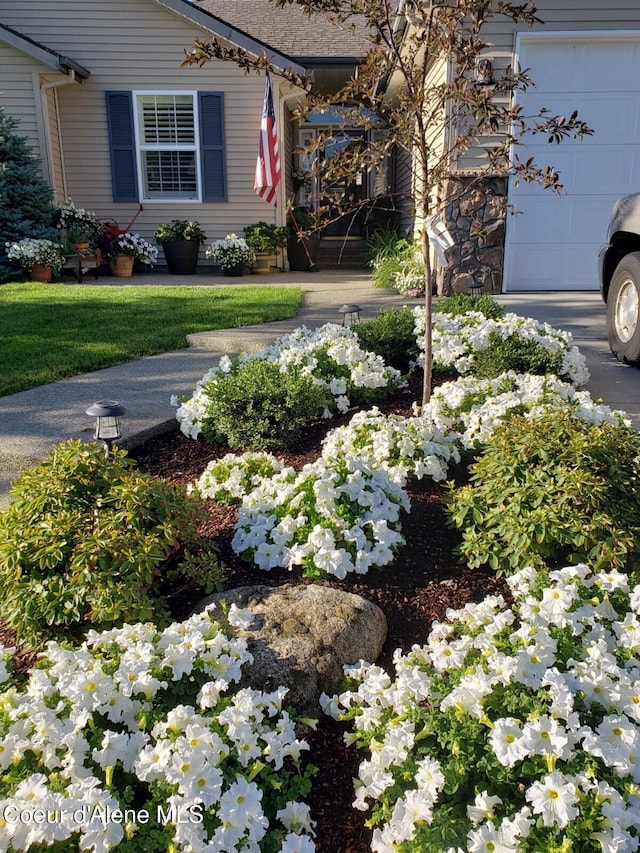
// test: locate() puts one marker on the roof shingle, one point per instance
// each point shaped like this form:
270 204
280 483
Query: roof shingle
290 30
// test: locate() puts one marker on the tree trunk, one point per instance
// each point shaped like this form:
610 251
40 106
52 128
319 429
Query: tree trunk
428 335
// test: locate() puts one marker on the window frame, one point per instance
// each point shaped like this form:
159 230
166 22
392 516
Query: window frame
141 147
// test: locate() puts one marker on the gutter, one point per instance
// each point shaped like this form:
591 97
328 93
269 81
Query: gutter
44 88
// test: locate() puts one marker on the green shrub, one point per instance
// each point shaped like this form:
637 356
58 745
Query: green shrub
515 353
89 542
462 303
260 407
391 334
552 489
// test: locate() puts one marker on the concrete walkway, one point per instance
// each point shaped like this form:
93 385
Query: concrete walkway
32 421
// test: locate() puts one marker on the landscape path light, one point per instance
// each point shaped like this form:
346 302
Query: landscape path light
106 413
350 314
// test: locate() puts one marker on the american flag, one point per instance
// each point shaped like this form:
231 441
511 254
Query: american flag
268 163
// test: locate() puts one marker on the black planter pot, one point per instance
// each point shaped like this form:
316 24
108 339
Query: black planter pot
303 254
181 256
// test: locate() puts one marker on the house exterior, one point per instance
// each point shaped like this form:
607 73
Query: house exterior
585 57
122 129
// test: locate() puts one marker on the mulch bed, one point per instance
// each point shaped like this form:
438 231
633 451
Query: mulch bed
424 580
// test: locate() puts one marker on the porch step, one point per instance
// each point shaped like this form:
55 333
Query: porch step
342 254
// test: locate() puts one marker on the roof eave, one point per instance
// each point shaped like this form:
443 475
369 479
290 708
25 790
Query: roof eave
42 54
237 37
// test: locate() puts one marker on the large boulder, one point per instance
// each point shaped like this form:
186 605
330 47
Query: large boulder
302 636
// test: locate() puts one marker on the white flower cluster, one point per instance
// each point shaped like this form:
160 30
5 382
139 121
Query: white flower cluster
472 408
136 247
30 251
457 339
330 354
402 447
533 710
6 653
231 478
333 517
321 518
231 251
94 721
461 414
68 215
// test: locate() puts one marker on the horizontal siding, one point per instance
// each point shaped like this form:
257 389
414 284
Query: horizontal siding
138 44
18 94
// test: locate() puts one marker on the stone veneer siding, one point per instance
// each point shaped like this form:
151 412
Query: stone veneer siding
475 216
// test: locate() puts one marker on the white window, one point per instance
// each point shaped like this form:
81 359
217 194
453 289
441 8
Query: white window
167 142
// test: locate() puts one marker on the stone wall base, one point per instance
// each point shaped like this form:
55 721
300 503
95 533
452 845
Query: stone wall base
475 214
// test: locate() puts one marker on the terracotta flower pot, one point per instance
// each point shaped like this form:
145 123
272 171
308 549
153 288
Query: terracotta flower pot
121 265
40 272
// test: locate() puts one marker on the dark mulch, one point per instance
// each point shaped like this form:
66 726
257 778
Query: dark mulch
424 580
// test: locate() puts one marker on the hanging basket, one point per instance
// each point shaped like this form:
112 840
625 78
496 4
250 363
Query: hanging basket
40 272
122 265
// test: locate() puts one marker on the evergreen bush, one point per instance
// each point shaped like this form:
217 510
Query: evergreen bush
390 334
261 407
25 198
462 303
515 353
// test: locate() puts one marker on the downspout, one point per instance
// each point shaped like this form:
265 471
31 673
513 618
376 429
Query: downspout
44 89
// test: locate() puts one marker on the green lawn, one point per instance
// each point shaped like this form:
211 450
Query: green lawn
49 331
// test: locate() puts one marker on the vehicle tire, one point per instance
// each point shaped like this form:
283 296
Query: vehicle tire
623 309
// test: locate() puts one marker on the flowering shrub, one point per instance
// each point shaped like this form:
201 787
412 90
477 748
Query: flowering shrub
136 247
29 251
230 252
457 341
474 407
331 355
514 729
230 479
133 741
333 517
76 219
402 447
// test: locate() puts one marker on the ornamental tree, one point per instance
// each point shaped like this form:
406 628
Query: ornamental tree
25 198
434 118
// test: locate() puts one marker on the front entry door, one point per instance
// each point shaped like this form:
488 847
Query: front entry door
343 193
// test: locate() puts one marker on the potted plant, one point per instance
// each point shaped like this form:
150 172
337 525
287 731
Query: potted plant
303 241
127 248
266 240
181 240
232 254
82 226
41 258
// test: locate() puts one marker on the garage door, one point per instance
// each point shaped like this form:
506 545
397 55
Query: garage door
552 244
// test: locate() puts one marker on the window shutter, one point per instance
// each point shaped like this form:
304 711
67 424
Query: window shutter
214 175
122 147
